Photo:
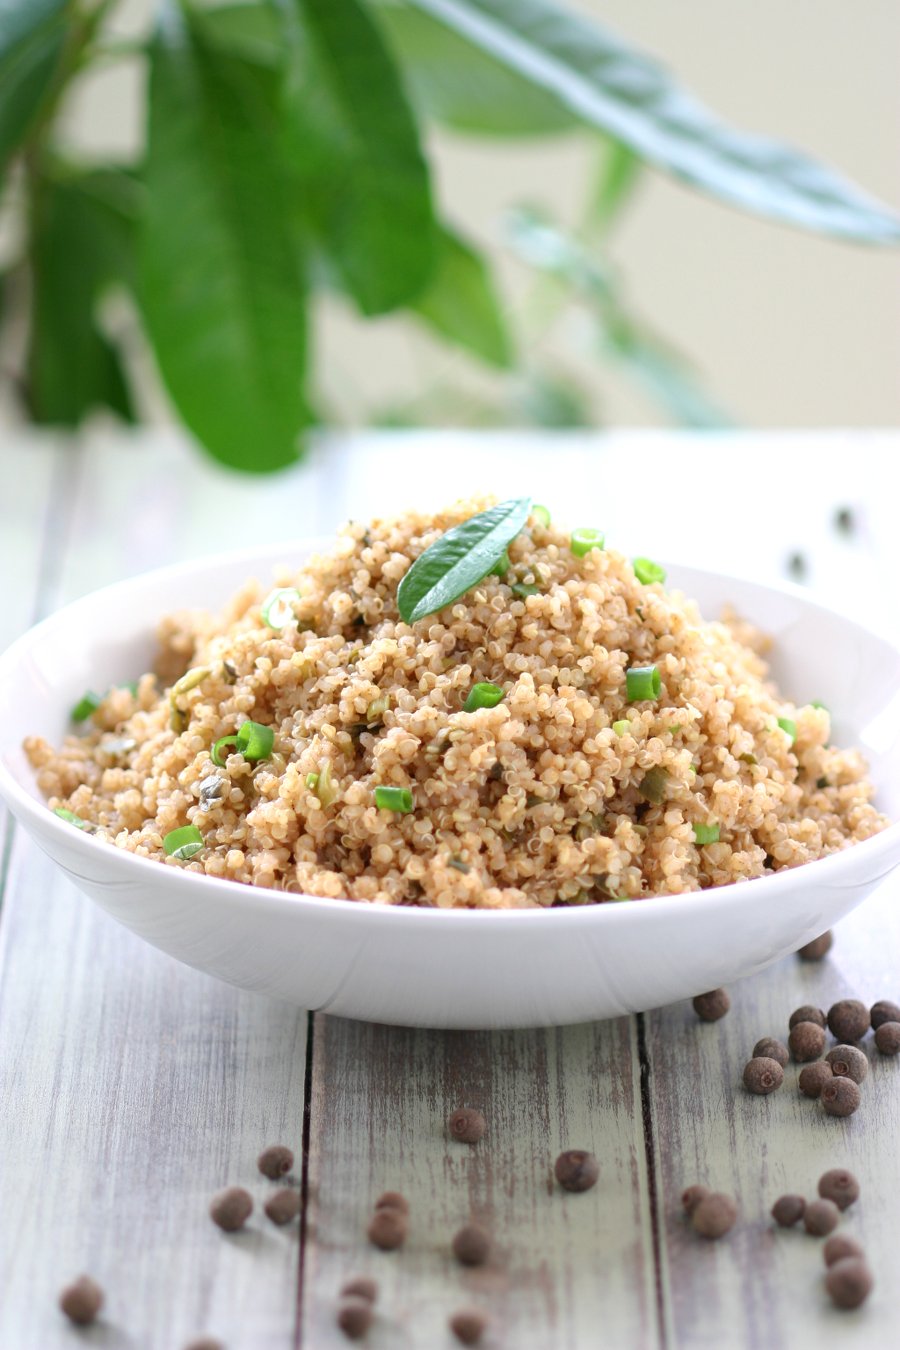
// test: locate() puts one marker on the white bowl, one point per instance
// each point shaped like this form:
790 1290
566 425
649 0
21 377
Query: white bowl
444 968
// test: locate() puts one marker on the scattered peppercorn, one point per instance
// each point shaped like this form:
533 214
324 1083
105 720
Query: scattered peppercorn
231 1209
710 1007
821 1217
468 1325
844 520
814 1077
769 1048
360 1286
848 1020
807 1014
275 1161
715 1215
691 1197
284 1206
796 566
467 1125
887 1038
849 1282
762 1075
354 1317
883 1011
576 1170
819 947
82 1300
839 1246
807 1041
840 1097
387 1229
471 1245
848 1062
788 1210
393 1200
840 1186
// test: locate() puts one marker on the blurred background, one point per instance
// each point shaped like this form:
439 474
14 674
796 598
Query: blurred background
593 290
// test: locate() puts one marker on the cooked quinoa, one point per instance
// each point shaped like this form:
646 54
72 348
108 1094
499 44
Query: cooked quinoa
563 793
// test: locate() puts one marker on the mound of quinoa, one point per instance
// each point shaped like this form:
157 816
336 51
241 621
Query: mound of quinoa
538 801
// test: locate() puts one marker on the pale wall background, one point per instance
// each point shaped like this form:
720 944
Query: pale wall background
788 329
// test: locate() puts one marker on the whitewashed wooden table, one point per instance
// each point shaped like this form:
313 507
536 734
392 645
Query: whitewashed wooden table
132 1087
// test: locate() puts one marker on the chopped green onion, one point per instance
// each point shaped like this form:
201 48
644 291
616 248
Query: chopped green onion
394 799
648 572
817 703
621 727
278 607
747 758
822 783
524 588
582 541
131 686
789 726
255 741
216 753
675 728
189 680
641 682
183 843
652 786
541 515
324 788
70 818
484 695
706 834
501 566
312 780
459 865
86 705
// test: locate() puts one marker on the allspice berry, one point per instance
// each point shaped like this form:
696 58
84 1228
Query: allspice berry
715 1215
468 1325
275 1161
807 1013
576 1170
691 1197
231 1208
392 1200
82 1300
354 1317
839 1246
840 1186
849 1282
807 1041
884 1011
819 947
387 1229
840 1097
788 1210
710 1007
471 1245
283 1207
763 1076
813 1078
466 1125
848 1020
769 1048
360 1286
205 1343
887 1038
821 1217
848 1061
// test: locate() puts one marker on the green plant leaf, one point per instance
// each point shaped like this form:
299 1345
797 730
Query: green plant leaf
459 559
221 260
630 97
457 83
619 174
461 304
81 243
354 148
32 37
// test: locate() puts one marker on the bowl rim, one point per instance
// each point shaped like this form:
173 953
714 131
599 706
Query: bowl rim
25 806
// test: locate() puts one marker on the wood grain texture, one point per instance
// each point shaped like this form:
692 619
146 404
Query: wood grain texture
565 1265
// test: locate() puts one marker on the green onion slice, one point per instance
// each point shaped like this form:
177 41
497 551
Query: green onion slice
541 515
70 817
621 726
501 567
523 589
216 754
789 726
312 780
706 834
255 741
278 607
483 695
86 706
652 786
324 788
648 572
582 541
817 703
184 842
642 682
394 799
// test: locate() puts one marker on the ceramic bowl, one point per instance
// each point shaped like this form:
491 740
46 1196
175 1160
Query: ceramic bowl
453 968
